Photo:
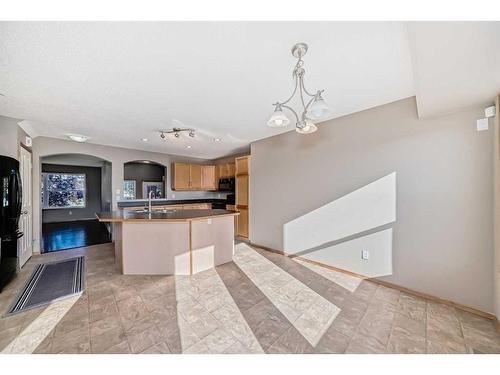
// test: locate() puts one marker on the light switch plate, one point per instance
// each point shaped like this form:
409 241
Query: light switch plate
482 124
209 221
365 254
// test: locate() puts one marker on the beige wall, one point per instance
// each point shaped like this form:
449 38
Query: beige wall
43 146
496 158
442 235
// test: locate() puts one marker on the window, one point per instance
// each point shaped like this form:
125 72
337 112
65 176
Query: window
63 190
129 189
155 187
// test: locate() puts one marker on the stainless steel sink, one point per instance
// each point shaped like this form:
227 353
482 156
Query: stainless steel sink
145 211
139 211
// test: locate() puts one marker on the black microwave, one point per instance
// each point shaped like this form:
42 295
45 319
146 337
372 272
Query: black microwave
227 184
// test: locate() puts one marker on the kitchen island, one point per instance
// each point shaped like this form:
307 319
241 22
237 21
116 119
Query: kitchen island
171 242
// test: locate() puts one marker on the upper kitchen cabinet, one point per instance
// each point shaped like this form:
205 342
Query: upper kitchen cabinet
193 177
181 176
241 165
226 170
195 174
208 177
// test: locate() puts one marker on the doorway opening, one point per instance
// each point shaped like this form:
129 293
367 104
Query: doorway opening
74 188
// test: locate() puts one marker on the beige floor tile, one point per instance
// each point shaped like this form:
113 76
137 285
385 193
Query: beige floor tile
161 348
122 293
121 348
403 342
103 311
140 340
365 345
411 326
445 347
250 306
71 323
75 342
218 341
101 326
387 294
101 343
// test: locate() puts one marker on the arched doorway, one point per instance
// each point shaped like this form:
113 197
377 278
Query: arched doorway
74 187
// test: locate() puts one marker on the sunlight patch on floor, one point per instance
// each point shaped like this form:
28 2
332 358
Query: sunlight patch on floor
348 282
208 318
37 330
307 311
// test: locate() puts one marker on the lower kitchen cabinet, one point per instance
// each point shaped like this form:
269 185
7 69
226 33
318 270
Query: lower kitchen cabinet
242 222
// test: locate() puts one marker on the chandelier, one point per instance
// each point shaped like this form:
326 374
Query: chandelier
176 132
314 106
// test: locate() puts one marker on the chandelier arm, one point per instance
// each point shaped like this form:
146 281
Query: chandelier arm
293 93
309 103
307 92
302 95
291 109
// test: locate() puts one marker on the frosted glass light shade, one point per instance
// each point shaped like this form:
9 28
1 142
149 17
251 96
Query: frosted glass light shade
278 119
319 109
308 128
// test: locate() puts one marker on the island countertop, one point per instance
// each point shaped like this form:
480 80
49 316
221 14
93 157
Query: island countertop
162 215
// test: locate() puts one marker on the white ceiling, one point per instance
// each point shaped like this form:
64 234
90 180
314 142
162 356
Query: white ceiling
119 82
457 65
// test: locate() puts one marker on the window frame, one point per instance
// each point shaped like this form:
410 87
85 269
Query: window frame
45 203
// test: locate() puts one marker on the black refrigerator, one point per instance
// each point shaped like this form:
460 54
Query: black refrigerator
10 210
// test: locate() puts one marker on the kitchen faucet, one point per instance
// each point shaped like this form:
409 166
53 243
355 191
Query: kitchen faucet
149 200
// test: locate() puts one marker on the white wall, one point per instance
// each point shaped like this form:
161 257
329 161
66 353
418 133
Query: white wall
43 146
442 236
9 145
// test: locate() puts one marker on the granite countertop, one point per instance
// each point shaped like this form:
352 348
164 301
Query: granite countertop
162 215
164 202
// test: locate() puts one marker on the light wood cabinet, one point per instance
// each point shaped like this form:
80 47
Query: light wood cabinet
181 176
242 190
193 177
208 177
241 165
231 169
226 170
197 206
242 223
242 195
195 174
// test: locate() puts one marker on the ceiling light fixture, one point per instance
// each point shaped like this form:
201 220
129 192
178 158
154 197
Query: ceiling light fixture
177 132
216 139
77 137
144 139
188 146
315 108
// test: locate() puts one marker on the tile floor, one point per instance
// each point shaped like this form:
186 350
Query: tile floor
260 303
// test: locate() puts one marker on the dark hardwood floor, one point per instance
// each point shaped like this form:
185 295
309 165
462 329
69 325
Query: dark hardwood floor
71 234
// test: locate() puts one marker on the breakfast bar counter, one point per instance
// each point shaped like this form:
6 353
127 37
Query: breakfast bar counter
171 242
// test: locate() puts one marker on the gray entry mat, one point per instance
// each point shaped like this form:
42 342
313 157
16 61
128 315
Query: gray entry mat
51 282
